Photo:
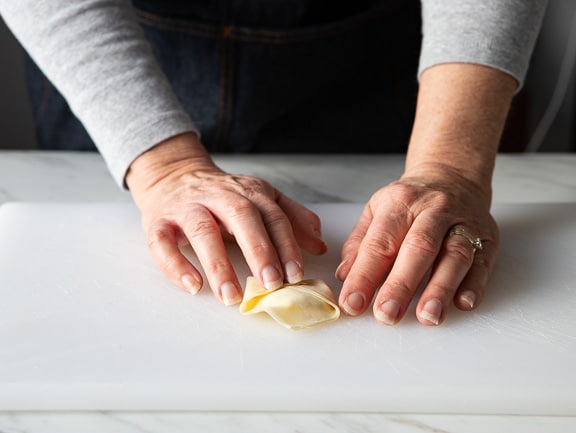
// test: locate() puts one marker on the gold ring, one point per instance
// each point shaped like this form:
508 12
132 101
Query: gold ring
475 241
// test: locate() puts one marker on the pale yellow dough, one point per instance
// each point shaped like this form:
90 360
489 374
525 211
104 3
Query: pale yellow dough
296 306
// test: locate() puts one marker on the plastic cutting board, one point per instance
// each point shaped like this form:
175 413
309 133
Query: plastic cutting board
87 322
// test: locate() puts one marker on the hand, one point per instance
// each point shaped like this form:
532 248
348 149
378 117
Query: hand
402 240
185 198
403 236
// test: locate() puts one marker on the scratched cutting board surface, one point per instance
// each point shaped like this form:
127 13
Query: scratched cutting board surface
87 322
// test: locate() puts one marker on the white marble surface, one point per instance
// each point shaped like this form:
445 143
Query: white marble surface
65 176
108 422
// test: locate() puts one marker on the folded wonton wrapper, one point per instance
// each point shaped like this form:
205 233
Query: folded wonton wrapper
296 306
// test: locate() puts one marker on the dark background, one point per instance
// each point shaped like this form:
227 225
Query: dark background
531 103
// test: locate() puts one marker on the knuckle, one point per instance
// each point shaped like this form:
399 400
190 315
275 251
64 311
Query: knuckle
381 248
398 289
262 249
440 290
158 236
460 252
171 265
421 242
275 218
217 267
366 282
240 208
198 228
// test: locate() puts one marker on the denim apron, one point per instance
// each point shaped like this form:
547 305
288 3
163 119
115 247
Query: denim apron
274 76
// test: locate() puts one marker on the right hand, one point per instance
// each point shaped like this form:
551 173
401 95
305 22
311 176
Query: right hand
185 198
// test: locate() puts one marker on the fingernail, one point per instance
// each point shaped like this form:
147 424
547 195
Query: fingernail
388 312
317 232
354 303
294 272
468 298
432 311
342 263
191 284
230 294
271 278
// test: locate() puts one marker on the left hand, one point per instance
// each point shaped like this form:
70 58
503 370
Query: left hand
403 240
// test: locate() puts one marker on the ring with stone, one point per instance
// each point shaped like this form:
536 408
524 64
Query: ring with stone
475 241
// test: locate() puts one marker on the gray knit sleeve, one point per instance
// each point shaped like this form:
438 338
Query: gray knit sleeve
496 33
96 55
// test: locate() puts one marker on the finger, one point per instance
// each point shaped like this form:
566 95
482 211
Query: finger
282 236
416 256
255 237
305 224
472 288
344 267
353 242
452 265
164 248
203 232
374 259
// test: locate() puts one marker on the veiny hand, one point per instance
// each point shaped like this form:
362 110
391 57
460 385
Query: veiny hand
190 200
403 234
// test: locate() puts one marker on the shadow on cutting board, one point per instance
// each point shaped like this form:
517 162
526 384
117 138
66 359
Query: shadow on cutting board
535 267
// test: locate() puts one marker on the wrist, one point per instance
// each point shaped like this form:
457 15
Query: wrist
461 112
457 161
448 177
181 152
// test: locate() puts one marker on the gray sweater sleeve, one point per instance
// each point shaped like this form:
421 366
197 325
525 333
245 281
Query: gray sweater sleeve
96 55
496 33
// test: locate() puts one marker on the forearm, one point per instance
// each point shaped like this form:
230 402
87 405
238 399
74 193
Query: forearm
474 58
460 115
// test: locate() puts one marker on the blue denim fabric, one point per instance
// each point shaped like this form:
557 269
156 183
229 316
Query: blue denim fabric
55 126
280 78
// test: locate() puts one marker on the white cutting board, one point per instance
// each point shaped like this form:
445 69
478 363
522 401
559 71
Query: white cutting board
87 322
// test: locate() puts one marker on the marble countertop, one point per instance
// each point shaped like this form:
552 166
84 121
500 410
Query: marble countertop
70 176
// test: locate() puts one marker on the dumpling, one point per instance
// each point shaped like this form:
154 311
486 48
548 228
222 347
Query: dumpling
296 306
